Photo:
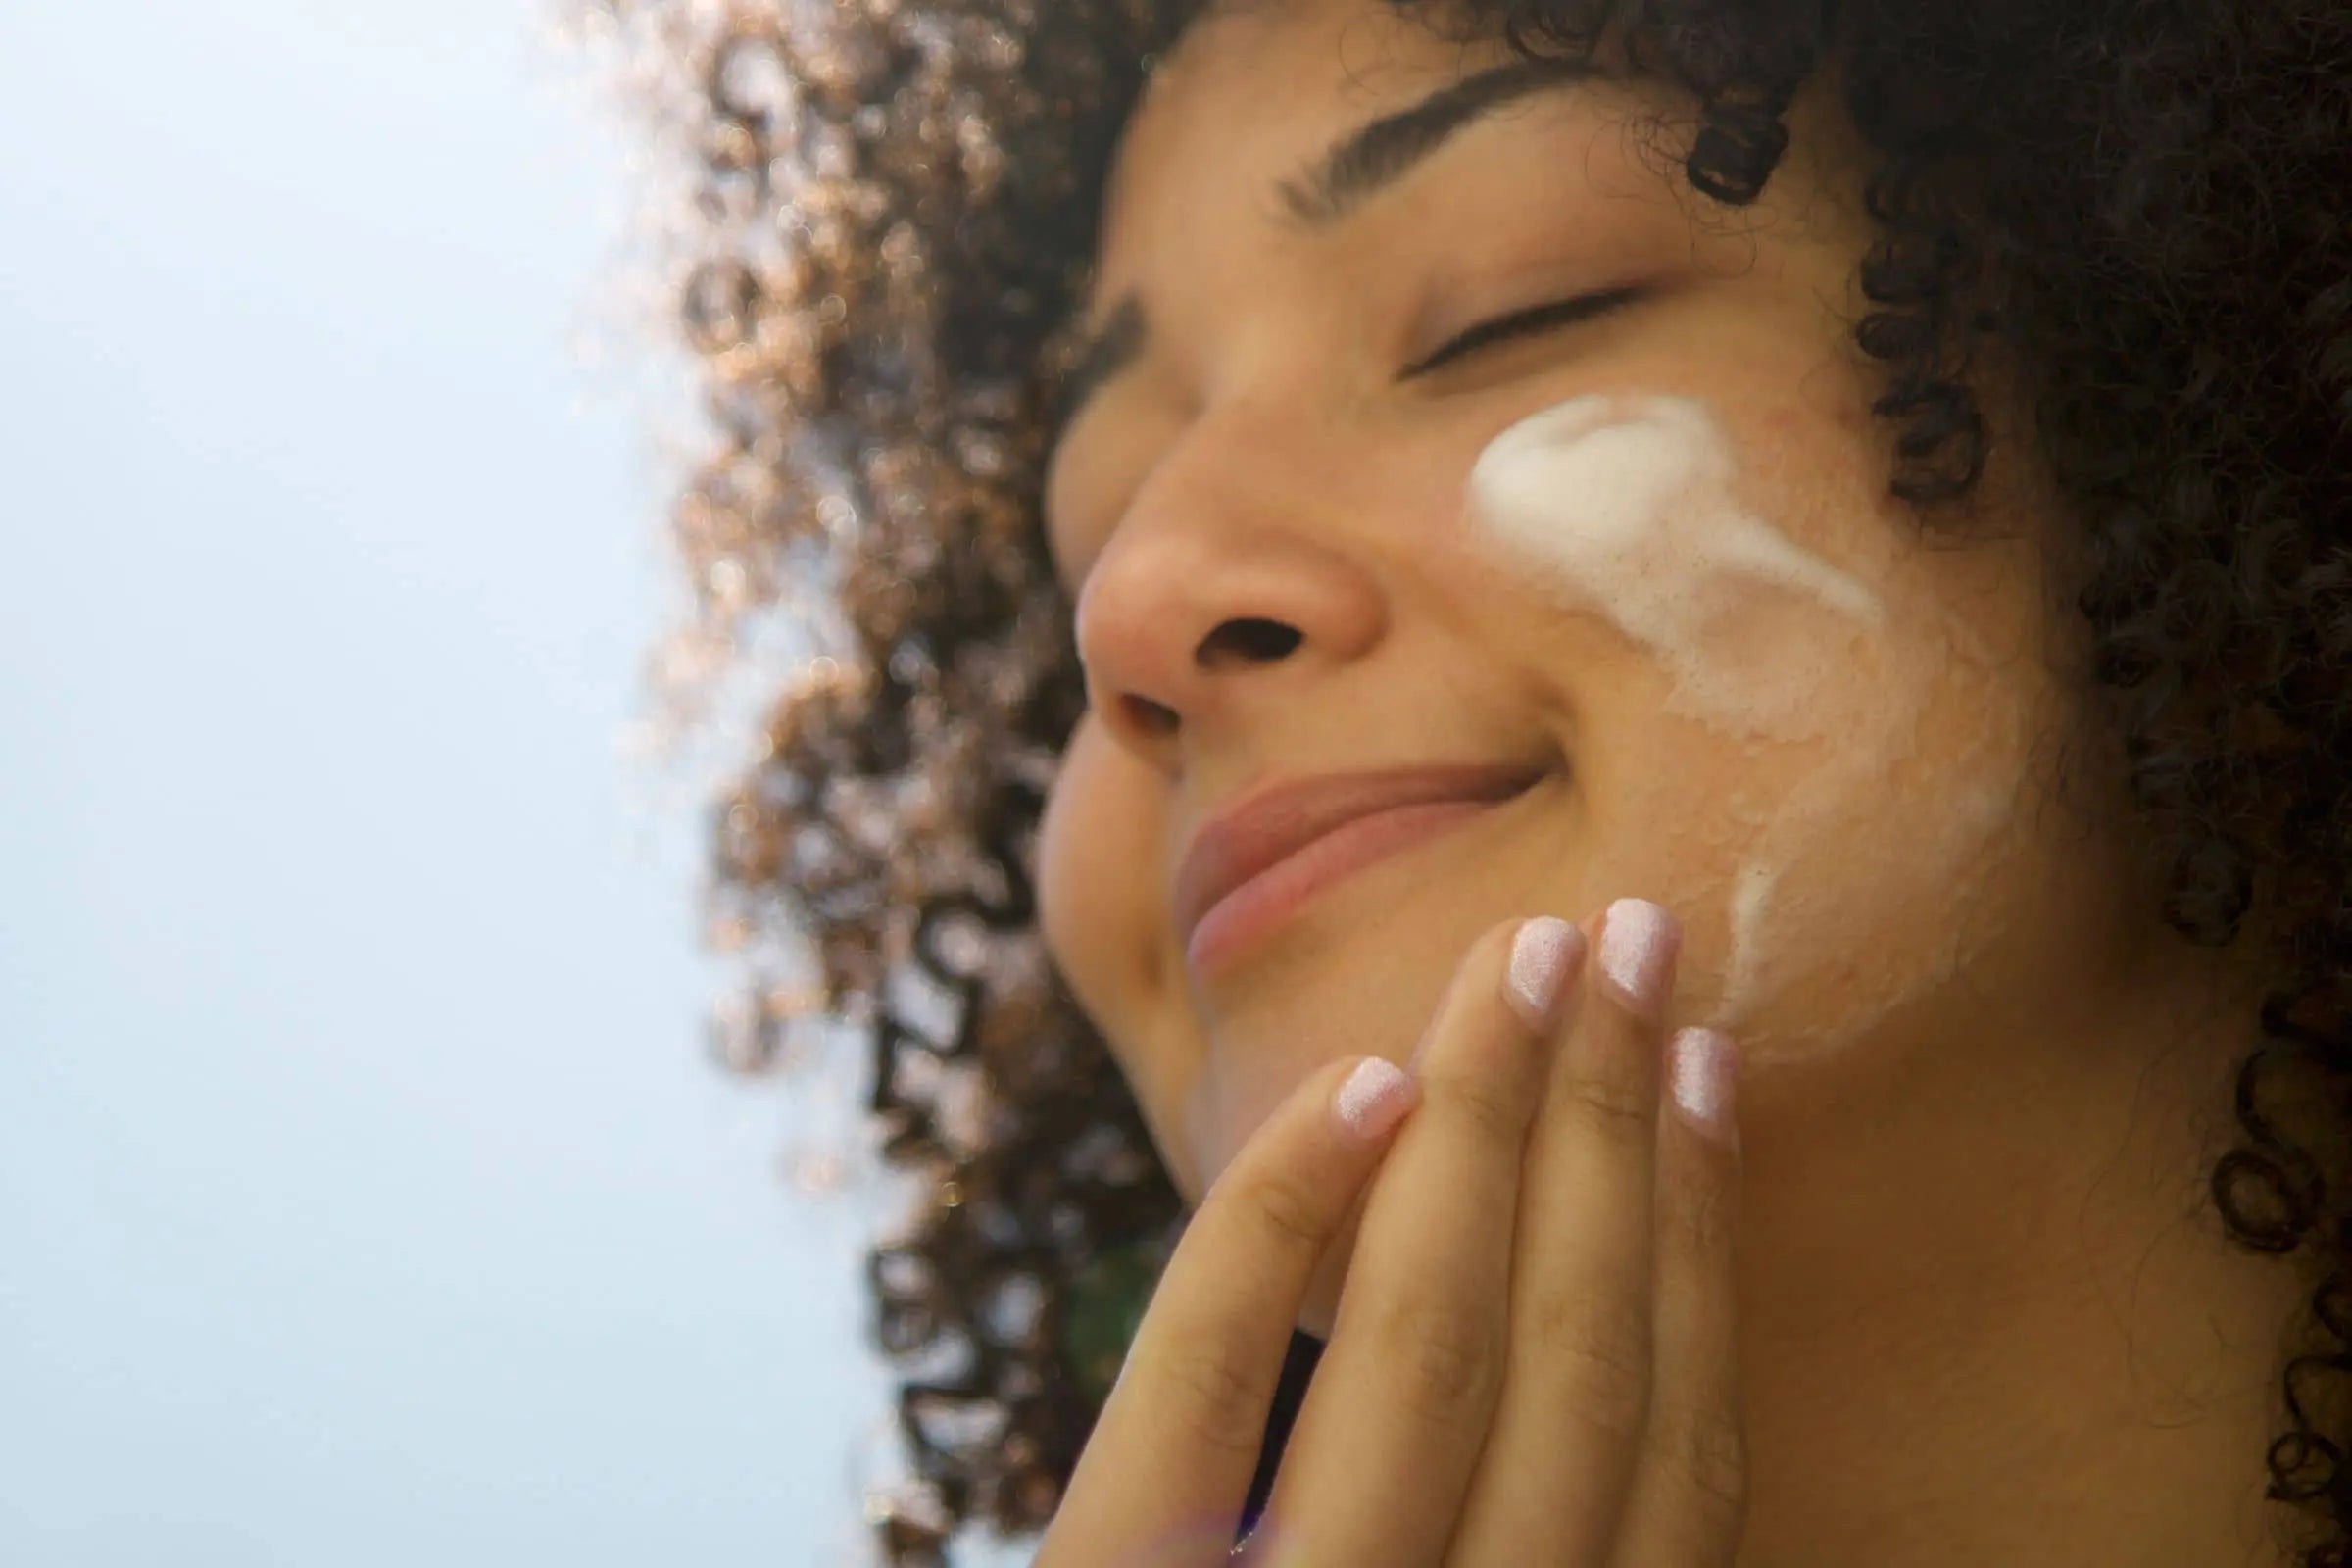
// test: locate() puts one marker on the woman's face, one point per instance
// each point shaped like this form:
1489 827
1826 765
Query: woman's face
1647 550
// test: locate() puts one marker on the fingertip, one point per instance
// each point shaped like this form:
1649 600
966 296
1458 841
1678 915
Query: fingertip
1547 954
1703 1069
1372 1099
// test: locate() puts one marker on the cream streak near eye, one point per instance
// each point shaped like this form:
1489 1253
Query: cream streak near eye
1626 509
1624 505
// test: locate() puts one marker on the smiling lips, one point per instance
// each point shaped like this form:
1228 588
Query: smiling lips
1250 867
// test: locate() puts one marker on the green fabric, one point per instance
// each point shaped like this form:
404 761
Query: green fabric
1105 1306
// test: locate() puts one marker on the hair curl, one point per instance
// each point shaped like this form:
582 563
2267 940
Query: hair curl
2141 208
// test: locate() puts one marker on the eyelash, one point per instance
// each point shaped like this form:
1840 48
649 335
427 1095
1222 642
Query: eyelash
1521 323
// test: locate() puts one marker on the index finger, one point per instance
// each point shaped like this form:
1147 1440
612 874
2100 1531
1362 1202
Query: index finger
1177 1444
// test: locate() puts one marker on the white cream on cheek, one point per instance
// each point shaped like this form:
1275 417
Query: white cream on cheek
1625 508
1623 505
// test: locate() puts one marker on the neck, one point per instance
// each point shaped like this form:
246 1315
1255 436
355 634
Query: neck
1990 1312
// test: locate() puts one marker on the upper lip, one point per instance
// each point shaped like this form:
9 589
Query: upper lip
1271 823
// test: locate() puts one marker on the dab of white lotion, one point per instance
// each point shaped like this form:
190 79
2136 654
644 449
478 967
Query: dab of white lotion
1624 505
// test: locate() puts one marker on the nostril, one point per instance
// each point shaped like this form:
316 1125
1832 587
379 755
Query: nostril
1156 718
1253 638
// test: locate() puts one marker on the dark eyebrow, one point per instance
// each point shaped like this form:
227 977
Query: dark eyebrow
1375 156
1359 167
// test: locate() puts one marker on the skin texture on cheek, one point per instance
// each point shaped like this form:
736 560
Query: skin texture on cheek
1837 780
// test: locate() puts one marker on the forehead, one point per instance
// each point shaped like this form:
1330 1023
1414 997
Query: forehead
1255 86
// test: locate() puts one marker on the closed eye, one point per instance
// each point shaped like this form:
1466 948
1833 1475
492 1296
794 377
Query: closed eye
1521 323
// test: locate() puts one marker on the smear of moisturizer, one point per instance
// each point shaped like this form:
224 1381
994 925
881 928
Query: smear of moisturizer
1625 503
1627 508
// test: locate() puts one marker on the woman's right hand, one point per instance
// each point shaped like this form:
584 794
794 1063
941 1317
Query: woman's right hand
1410 1451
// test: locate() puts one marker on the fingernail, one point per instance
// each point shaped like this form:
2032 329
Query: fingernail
1544 953
1702 1069
1638 944
1374 1098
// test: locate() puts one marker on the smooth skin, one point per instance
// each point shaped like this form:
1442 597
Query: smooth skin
1985 1314
1532 1360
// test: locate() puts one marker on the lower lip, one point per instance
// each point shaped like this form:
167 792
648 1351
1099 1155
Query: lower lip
1260 905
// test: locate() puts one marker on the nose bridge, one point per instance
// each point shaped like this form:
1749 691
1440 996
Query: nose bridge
1241 553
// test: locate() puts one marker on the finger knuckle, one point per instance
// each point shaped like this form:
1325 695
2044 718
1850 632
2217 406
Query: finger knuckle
1288 1213
1213 1399
1701 1218
1612 1105
1447 1362
1600 1352
1495 1114
1708 1455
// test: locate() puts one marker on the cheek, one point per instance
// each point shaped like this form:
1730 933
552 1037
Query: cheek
1099 872
1829 881
1818 768
1091 843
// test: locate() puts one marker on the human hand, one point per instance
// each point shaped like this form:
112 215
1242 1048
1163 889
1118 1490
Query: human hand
1533 1362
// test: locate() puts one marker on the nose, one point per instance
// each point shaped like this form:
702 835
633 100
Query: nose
1203 617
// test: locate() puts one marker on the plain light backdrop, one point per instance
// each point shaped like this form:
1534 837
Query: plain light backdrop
367 1195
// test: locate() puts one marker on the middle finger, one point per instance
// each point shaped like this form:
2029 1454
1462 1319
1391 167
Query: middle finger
1575 1398
1401 1401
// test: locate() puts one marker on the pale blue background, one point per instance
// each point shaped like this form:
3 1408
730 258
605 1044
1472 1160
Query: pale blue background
365 1197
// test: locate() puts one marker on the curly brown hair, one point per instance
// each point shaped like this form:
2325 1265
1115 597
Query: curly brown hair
2138 211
